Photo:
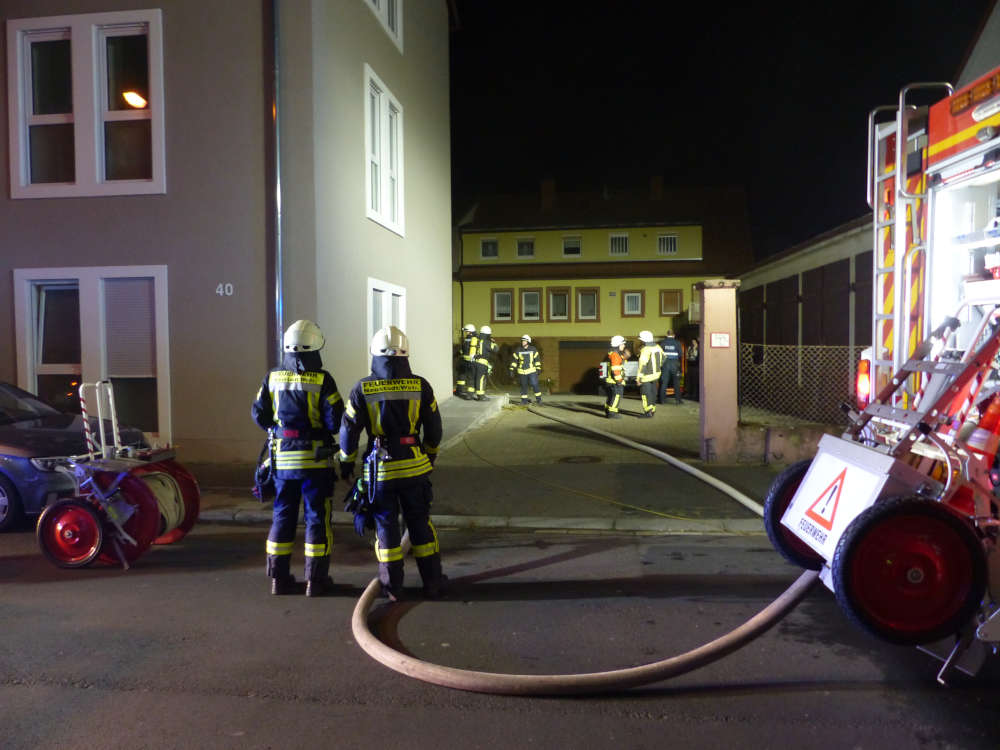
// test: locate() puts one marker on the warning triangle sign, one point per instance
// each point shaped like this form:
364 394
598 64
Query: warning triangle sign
824 509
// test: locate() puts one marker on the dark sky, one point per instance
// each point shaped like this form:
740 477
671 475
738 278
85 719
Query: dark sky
773 96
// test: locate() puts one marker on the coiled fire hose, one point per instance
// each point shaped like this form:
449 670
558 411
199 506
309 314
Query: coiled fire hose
593 682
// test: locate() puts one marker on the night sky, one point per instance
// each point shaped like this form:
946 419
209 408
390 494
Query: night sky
771 96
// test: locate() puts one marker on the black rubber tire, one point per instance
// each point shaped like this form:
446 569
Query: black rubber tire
779 497
910 570
11 508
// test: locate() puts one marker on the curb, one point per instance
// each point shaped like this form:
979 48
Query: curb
659 526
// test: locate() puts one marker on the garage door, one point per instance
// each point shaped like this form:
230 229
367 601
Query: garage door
578 361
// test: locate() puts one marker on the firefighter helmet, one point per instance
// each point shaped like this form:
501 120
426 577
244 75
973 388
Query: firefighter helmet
646 337
617 341
390 342
303 336
469 328
526 337
486 329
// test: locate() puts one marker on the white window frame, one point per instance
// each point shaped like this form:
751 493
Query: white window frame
597 303
93 363
524 306
391 292
579 241
510 295
390 14
87 33
384 155
620 236
566 292
528 242
482 254
667 244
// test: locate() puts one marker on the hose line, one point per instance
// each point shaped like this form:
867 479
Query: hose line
593 682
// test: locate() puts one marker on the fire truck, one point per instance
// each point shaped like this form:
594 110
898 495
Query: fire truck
900 513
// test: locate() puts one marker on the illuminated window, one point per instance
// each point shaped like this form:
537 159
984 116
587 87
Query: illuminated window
390 14
633 303
87 110
384 149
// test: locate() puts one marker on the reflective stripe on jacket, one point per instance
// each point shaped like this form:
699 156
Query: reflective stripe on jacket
305 404
650 363
616 367
526 360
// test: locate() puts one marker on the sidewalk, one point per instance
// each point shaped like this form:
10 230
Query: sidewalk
489 478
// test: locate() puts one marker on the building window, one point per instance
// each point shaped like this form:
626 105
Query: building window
489 249
588 304
384 150
670 302
386 307
502 305
633 303
572 247
129 346
390 14
558 303
531 305
618 244
666 244
86 114
526 248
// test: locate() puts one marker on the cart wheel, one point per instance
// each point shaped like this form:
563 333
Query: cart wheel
779 497
909 570
69 533
142 526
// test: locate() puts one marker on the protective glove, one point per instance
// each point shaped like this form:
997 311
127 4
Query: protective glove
363 521
346 470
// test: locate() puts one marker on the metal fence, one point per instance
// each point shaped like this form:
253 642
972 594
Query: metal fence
805 382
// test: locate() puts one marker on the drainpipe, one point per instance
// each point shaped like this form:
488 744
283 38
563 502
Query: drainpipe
279 292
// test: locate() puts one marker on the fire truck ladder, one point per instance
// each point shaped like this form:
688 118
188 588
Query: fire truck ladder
898 260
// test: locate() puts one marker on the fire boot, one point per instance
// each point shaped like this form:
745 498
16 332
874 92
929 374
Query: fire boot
282 581
435 582
319 587
390 575
283 585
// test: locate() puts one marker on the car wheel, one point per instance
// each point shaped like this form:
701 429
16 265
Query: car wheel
11 510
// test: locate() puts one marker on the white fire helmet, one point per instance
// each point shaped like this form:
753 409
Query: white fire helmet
486 329
646 337
469 328
617 341
390 342
303 336
526 337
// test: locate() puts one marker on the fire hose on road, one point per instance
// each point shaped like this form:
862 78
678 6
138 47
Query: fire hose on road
594 682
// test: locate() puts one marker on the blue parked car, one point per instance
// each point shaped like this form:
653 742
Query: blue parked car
32 433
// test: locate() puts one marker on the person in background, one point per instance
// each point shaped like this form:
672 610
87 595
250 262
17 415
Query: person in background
298 403
614 378
398 411
527 364
464 385
485 350
650 362
670 378
691 373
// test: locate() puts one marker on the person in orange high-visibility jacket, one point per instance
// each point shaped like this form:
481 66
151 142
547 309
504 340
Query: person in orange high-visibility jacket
395 406
298 403
614 379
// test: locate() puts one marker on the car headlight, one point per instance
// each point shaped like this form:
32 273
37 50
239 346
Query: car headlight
49 464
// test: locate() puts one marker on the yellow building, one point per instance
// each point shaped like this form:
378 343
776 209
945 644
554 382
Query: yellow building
574 269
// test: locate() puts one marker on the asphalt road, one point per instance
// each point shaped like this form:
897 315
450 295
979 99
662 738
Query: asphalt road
187 650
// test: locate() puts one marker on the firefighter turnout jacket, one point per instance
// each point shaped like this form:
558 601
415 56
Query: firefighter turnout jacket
393 404
616 367
526 360
650 363
299 402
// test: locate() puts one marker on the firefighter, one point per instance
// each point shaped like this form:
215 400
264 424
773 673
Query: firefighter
670 378
465 388
485 349
298 403
615 377
527 364
650 363
393 405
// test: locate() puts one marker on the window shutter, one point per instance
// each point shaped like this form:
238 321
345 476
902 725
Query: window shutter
129 327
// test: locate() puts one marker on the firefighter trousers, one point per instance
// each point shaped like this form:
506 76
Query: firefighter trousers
647 390
315 488
615 392
413 497
529 380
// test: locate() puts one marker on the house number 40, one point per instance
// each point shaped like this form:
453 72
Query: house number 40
224 290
